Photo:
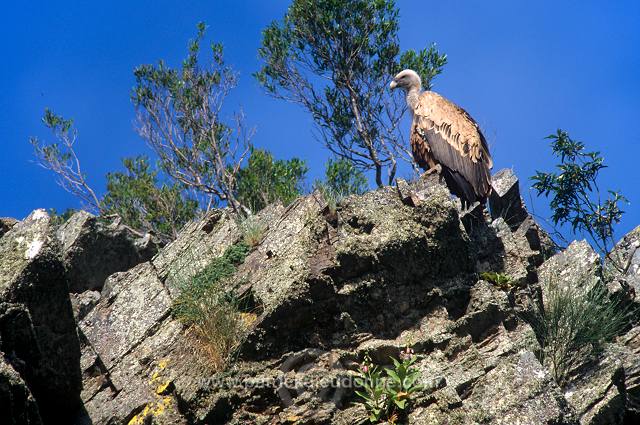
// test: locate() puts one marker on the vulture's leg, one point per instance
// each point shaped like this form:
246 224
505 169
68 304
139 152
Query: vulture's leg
435 169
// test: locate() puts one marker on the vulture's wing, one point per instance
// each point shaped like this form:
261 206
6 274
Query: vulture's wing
454 140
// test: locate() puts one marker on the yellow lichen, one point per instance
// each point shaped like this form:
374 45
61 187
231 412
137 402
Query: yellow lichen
162 388
248 318
158 407
152 409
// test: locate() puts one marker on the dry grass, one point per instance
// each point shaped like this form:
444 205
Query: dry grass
214 315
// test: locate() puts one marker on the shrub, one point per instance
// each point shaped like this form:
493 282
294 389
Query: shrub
143 203
146 204
332 197
201 156
265 180
252 231
342 179
576 198
60 219
204 305
575 322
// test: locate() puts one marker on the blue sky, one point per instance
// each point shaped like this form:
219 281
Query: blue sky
522 69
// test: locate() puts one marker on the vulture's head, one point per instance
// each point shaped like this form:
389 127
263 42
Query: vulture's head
407 79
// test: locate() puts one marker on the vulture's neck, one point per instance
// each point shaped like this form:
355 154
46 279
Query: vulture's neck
412 98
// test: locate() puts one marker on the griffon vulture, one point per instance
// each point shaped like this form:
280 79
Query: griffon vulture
445 139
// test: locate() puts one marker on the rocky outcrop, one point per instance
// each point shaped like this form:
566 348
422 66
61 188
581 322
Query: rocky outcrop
623 264
93 249
37 329
322 288
138 363
504 200
383 271
17 405
126 336
6 224
602 389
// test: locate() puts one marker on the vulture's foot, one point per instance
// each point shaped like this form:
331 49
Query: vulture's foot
435 169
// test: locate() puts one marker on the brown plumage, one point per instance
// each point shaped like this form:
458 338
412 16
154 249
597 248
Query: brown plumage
445 137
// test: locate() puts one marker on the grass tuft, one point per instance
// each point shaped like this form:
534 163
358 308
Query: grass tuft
252 231
331 196
575 323
214 314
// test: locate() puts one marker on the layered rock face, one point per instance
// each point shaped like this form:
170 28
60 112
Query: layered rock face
386 270
397 267
6 224
37 329
93 249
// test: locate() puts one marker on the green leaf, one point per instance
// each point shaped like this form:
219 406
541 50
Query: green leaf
400 403
393 375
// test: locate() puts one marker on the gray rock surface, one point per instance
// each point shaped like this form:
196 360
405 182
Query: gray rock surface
624 264
6 224
17 405
578 266
127 336
597 393
93 249
505 200
83 302
37 329
393 268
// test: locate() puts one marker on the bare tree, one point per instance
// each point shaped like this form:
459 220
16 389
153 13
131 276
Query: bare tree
61 158
179 115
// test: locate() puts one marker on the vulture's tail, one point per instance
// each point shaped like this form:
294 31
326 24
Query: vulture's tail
460 187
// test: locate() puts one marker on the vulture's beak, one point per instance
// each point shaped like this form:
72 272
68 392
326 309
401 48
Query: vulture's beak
393 84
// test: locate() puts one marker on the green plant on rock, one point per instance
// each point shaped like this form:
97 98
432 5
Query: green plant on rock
500 280
253 229
386 393
575 322
373 395
204 304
